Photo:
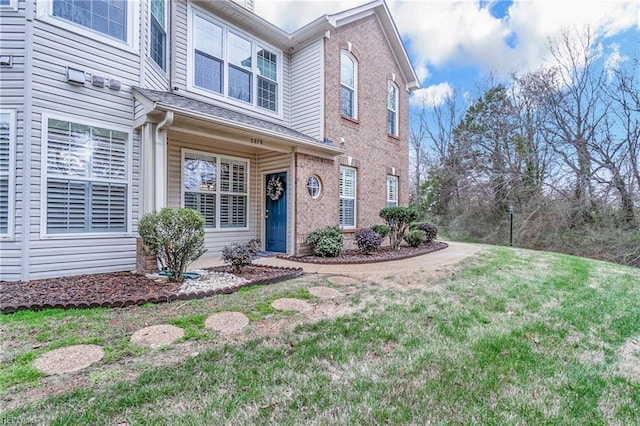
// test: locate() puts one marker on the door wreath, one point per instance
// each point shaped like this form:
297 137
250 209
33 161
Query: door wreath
275 188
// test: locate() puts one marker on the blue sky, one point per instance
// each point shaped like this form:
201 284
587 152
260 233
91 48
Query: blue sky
453 44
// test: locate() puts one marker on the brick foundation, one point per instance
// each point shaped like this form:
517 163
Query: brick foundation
146 261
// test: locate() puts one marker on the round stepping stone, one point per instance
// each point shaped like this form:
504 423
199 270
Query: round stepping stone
324 292
156 336
338 280
68 359
227 322
290 304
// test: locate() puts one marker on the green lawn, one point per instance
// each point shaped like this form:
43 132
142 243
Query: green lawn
512 337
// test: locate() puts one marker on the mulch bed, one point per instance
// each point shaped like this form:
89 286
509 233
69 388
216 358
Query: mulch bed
385 254
117 289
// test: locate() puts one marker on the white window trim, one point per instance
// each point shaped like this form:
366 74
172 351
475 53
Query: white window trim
397 107
11 190
43 179
397 183
12 6
226 27
355 84
354 198
217 192
166 38
45 13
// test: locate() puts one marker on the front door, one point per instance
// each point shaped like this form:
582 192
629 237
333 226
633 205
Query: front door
276 212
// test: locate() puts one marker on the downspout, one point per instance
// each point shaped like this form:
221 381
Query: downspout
161 160
26 144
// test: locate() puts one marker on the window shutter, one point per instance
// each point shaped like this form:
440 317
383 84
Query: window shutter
108 208
66 206
5 135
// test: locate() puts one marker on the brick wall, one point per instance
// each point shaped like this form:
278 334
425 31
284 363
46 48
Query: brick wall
369 149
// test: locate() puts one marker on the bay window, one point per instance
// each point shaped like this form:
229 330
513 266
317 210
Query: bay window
233 65
86 178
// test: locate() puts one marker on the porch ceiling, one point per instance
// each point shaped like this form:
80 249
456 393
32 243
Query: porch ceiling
205 119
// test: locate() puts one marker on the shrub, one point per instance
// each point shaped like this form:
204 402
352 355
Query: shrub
176 236
368 240
429 229
326 242
398 219
239 255
383 230
414 238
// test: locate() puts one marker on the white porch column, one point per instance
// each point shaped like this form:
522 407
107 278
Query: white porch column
147 175
160 178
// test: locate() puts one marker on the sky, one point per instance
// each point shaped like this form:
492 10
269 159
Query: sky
455 44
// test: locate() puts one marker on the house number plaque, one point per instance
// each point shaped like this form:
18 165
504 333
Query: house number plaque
256 141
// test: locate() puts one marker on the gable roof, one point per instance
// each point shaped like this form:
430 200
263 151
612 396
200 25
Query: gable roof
319 27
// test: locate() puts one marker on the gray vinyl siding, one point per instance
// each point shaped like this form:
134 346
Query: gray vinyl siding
179 44
54 49
215 240
12 30
306 90
153 77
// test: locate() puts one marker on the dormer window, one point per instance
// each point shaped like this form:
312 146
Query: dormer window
348 85
231 64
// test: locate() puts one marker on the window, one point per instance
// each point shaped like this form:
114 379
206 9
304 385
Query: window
158 33
392 191
7 137
314 186
108 17
87 178
347 197
392 109
9 4
348 85
217 187
233 65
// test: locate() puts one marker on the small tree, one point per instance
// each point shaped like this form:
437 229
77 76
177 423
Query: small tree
176 236
239 255
398 219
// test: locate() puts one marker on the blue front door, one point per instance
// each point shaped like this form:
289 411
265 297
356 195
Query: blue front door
276 212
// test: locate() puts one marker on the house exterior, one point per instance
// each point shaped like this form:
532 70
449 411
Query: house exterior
113 109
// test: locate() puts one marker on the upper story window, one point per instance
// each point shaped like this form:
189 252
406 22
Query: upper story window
231 64
7 149
392 191
86 178
9 4
108 17
348 85
158 33
392 108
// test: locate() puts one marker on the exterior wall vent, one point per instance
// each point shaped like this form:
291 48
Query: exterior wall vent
6 61
75 76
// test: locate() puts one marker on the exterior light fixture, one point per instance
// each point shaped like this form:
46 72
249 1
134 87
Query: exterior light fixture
75 76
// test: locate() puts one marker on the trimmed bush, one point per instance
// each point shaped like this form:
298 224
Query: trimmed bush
368 240
239 255
383 230
176 236
429 229
414 238
398 219
326 242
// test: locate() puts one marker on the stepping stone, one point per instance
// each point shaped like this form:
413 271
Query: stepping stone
290 304
324 292
338 280
156 336
227 322
68 359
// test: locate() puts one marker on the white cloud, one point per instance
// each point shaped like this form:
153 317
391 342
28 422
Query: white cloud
461 33
433 95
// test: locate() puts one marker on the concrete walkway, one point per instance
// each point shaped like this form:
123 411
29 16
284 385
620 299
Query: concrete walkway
431 261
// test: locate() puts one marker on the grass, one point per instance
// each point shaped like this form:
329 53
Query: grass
514 337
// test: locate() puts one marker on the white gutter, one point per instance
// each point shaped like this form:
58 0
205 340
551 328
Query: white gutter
161 160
